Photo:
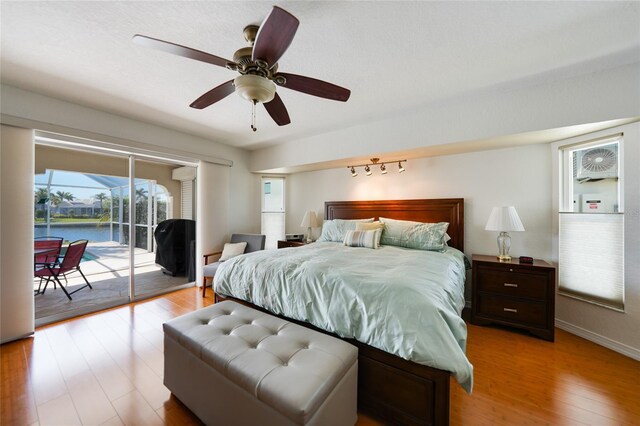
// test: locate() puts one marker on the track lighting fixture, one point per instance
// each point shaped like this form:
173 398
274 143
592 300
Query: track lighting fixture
375 162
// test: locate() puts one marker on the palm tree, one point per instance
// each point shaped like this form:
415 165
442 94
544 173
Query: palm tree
101 197
41 196
55 199
60 196
65 196
141 193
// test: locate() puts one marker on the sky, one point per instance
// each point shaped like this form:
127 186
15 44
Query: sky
69 180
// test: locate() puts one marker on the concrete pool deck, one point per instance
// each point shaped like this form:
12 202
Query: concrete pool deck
109 277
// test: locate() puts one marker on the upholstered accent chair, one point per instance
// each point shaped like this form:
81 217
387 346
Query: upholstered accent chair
254 242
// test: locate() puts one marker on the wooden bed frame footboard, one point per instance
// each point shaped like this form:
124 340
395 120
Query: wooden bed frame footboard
391 388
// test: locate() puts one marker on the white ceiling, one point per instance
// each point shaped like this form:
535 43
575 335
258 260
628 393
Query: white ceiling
392 55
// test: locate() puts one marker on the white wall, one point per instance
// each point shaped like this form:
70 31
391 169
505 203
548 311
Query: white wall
513 176
496 111
214 209
617 330
16 234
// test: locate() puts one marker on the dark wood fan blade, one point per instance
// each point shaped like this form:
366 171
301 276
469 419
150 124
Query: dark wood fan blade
214 95
278 111
274 36
315 87
179 50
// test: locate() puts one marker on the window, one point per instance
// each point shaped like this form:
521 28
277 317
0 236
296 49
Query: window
273 211
591 242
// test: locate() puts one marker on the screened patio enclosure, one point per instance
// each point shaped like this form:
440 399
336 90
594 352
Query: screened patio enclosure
96 207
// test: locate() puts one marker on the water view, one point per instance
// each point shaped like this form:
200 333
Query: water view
94 232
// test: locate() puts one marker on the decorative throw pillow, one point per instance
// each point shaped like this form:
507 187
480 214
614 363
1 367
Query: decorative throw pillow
369 239
416 235
334 230
232 250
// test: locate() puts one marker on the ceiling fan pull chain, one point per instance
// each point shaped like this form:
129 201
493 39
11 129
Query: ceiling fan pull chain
253 115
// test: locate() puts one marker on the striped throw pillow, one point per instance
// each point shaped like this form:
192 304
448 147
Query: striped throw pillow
368 239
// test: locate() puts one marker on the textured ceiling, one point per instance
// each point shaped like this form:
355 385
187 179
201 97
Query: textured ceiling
392 55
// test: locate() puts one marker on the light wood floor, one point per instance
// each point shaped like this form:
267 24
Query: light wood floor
106 368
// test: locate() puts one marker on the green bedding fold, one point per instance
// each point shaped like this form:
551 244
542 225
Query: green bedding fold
402 301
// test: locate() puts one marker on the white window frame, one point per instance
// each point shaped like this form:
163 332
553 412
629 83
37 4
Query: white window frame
566 206
273 235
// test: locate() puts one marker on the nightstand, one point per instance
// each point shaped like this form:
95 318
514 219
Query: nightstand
515 294
285 244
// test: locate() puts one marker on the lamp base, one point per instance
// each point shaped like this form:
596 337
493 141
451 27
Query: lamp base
504 244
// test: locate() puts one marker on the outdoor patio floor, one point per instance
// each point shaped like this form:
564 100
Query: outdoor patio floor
109 277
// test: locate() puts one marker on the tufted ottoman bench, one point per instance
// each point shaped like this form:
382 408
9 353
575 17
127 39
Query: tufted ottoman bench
233 365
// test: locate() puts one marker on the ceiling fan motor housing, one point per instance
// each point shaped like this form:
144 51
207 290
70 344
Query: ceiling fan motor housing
255 88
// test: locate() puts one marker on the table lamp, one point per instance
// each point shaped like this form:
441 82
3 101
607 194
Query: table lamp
309 221
504 219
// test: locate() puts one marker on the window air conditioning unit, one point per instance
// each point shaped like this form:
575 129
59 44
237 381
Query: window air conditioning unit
184 173
597 163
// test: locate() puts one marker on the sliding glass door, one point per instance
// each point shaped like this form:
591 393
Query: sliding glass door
117 203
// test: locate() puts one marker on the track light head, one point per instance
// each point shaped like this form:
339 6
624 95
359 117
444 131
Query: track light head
400 168
383 169
367 170
353 172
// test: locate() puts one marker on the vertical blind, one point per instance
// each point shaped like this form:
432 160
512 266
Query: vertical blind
187 199
591 257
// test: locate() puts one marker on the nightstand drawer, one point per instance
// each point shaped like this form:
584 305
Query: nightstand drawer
520 284
510 309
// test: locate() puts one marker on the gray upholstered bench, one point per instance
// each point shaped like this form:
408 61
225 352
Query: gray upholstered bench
233 365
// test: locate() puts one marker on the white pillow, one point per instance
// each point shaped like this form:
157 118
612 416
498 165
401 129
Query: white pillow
232 250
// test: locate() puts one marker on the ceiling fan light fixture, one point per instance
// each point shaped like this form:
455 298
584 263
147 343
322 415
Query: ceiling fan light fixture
255 88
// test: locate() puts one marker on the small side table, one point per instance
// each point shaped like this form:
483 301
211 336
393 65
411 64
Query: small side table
515 294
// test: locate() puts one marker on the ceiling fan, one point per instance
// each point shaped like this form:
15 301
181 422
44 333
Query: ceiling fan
258 67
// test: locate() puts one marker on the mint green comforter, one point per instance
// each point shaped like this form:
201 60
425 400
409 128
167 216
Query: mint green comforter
402 301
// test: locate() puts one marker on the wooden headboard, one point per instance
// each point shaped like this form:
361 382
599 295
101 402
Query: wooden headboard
437 210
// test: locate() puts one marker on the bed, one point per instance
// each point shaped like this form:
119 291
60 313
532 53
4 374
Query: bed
404 368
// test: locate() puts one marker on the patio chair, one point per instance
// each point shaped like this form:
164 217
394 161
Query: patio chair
254 242
46 250
70 263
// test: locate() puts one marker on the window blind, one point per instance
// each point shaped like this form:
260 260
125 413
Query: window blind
273 229
591 258
186 211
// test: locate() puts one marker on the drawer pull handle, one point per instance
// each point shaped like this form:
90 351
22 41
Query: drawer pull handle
515 311
510 285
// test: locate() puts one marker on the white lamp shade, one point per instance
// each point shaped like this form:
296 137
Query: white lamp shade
310 220
504 219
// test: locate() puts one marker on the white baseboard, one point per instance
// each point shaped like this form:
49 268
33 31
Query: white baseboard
599 339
